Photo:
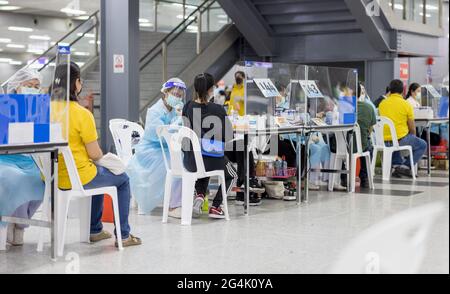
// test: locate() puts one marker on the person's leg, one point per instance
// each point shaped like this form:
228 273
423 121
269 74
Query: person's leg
418 145
363 174
201 186
105 178
237 156
176 194
230 181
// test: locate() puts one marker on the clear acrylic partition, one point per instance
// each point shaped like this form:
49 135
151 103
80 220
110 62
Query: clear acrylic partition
432 99
278 78
443 105
34 106
331 94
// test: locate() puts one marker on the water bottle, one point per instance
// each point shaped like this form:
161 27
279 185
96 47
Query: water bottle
279 168
285 166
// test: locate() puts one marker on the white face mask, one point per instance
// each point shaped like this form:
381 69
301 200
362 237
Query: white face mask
29 91
419 97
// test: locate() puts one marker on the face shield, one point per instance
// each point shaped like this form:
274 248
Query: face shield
175 91
175 87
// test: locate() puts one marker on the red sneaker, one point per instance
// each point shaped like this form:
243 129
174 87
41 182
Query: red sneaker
216 212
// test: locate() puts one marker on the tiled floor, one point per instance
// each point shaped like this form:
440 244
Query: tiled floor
278 237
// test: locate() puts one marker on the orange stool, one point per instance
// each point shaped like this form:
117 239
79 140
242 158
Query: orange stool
108 214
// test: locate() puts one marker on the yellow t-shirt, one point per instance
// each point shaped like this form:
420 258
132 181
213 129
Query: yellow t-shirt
399 111
82 130
237 96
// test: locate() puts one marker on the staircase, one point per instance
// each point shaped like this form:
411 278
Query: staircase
91 73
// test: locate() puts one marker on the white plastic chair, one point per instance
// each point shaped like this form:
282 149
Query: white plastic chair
336 160
363 155
379 145
3 234
397 245
64 198
122 131
174 136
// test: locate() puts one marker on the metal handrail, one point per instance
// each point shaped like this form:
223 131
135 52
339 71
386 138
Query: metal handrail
187 22
94 15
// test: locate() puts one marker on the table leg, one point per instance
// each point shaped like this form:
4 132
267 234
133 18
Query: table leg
429 150
299 170
306 163
349 168
53 228
246 182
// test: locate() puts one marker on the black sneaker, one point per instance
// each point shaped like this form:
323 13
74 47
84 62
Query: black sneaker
255 186
402 172
364 184
254 201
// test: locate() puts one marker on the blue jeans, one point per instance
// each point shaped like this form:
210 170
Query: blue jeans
105 178
419 148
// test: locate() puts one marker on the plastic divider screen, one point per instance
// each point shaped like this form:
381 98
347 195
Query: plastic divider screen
301 93
436 100
34 103
332 94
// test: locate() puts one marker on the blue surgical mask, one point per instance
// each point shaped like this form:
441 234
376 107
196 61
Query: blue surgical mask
174 101
29 91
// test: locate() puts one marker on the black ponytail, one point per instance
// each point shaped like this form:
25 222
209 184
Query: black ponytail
202 84
60 83
413 87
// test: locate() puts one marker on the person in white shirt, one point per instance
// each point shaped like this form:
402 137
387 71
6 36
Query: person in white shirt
414 95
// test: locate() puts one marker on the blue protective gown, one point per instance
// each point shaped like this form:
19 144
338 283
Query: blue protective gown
146 170
21 186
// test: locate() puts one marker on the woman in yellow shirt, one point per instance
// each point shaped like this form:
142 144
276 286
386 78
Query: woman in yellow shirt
237 102
82 135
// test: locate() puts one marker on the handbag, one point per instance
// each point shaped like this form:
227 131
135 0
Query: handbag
274 189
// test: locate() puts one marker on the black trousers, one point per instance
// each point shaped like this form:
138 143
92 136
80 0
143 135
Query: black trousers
236 156
211 164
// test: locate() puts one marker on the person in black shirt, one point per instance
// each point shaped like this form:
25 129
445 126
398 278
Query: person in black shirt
211 124
381 98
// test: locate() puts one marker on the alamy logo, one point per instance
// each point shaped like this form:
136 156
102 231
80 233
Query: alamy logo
373 263
373 8
73 267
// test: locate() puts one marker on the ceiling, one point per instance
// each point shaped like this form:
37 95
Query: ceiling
47 20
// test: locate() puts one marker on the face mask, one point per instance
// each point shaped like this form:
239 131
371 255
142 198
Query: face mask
174 102
79 92
29 91
362 98
419 97
220 100
239 80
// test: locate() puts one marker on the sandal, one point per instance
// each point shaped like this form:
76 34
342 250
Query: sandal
130 241
103 235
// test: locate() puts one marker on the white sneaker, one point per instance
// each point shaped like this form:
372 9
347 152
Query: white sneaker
340 188
176 213
313 187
